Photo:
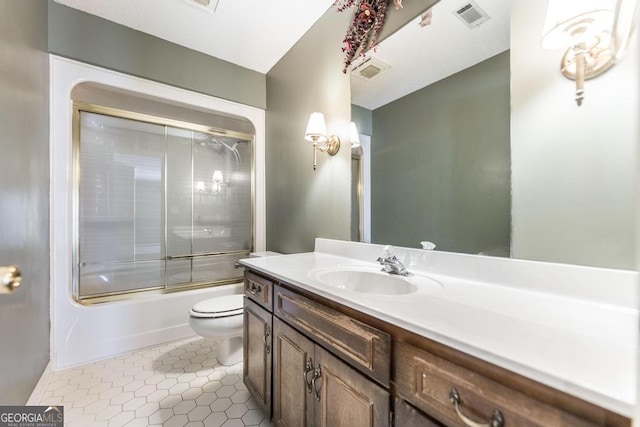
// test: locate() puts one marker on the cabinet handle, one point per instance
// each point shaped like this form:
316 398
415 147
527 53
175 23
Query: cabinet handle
267 333
316 376
254 289
496 418
308 367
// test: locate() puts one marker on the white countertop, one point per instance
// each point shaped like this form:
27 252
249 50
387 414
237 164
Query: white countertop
580 346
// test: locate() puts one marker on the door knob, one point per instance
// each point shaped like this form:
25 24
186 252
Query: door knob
10 278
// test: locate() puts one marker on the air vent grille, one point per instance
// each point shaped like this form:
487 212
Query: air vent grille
369 71
369 68
471 14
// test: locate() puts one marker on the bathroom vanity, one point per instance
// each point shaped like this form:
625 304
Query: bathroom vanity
323 348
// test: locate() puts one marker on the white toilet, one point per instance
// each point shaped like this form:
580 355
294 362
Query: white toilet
220 319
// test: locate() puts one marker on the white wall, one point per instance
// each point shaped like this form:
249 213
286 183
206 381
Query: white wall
573 168
80 334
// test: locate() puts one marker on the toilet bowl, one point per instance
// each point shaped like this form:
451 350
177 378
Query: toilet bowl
220 319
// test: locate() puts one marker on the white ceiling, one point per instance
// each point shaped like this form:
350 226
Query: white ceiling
419 56
256 34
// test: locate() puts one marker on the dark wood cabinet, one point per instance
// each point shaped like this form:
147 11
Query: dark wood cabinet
408 416
259 289
449 393
331 366
258 337
293 370
257 363
314 388
362 346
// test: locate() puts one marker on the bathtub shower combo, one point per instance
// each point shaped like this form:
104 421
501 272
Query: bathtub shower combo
157 192
161 205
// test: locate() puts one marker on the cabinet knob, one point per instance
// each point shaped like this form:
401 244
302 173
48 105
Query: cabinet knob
496 420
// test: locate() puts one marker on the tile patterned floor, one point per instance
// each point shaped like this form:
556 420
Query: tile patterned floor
174 384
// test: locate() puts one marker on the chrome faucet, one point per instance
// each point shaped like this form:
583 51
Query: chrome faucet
390 263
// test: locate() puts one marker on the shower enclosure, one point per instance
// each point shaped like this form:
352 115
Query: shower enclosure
160 204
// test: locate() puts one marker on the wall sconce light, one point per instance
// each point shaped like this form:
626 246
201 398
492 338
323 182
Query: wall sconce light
353 135
317 134
218 183
218 179
594 32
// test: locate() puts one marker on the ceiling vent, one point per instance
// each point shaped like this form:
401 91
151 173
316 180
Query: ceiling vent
471 14
369 67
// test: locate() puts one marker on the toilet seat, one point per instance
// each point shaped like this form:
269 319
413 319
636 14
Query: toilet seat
219 307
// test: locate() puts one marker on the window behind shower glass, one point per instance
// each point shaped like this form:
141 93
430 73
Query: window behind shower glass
160 204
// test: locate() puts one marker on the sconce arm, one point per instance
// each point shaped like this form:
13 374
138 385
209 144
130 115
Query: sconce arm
331 147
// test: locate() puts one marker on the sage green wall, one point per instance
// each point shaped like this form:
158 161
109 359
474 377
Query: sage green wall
24 195
303 204
78 35
440 164
363 118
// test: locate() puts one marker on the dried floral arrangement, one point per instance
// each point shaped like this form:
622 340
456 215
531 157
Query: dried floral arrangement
367 22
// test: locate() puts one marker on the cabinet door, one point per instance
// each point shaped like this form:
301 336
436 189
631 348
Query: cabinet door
257 353
408 416
293 369
344 398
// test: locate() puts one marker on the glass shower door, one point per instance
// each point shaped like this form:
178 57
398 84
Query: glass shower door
159 207
120 205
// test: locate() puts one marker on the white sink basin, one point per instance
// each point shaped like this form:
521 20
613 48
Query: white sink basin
371 280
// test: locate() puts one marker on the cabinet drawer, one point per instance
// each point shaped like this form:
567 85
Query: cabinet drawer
428 382
259 289
362 346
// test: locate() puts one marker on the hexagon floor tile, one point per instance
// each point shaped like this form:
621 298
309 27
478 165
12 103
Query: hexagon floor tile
174 384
